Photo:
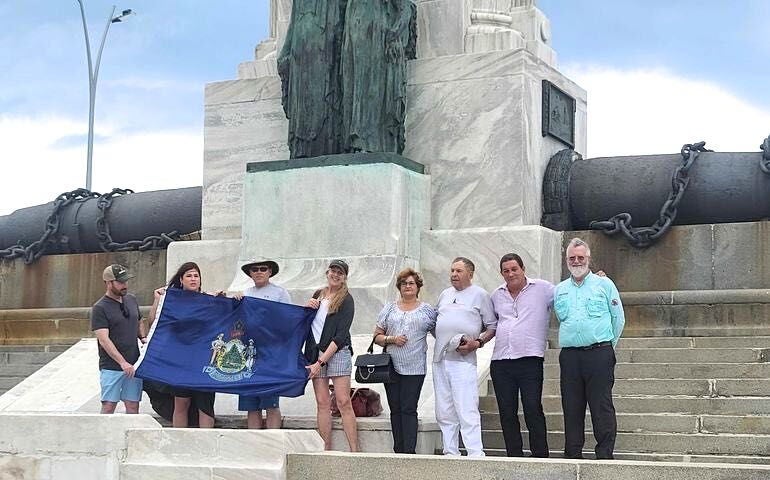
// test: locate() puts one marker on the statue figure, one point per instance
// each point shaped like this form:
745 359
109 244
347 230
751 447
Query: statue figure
380 36
310 80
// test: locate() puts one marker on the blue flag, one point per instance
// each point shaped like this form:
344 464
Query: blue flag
218 344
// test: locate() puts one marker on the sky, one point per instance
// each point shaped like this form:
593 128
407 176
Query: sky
658 73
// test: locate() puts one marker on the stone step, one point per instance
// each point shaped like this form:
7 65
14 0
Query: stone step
657 423
144 471
679 443
682 370
691 342
7 383
218 448
343 466
18 370
34 348
661 404
720 313
681 355
723 387
37 326
627 422
27 358
651 457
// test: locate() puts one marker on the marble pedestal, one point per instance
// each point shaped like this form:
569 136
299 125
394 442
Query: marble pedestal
369 209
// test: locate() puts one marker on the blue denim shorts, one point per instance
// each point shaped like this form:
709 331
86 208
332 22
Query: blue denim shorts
116 386
253 404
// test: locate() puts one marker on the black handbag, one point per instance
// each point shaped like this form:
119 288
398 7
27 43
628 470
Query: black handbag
374 367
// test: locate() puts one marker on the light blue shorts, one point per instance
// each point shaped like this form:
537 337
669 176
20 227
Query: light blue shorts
116 387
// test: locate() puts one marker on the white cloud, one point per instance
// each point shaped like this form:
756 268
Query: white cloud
35 170
649 111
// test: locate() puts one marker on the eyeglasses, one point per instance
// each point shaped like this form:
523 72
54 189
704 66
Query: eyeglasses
124 310
409 284
261 268
580 259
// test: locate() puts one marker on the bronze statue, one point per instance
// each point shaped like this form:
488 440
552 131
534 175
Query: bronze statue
380 36
343 75
310 79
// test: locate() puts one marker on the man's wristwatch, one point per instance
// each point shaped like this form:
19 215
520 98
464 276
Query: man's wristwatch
321 363
481 342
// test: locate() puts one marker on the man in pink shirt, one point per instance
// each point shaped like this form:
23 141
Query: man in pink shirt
523 309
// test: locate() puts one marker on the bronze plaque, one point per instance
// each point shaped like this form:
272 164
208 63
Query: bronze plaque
558 114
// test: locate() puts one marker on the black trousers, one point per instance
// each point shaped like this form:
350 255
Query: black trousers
403 395
588 376
525 376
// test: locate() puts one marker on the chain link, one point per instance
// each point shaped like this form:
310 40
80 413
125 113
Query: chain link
764 162
36 249
153 242
643 237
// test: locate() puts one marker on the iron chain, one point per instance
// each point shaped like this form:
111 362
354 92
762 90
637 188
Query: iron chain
764 162
36 249
643 237
153 242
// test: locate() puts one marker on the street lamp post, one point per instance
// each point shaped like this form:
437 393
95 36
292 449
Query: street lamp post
93 75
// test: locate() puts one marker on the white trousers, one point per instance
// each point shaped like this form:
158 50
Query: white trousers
457 406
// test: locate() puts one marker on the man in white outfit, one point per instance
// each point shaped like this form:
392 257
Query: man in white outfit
466 321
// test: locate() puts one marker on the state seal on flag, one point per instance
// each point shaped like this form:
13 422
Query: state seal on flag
231 360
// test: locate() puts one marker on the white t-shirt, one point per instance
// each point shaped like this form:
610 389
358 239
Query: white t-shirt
319 321
270 291
461 312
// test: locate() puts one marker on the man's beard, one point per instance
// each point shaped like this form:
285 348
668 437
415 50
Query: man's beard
578 271
119 292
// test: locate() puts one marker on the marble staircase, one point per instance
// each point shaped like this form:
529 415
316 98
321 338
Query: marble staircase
688 399
17 362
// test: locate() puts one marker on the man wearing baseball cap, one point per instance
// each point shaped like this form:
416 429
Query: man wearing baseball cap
260 271
116 322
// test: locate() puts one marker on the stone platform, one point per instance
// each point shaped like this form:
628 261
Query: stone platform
408 467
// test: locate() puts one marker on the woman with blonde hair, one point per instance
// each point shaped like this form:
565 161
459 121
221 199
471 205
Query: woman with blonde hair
329 353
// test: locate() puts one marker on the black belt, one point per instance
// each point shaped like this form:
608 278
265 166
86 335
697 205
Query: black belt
589 347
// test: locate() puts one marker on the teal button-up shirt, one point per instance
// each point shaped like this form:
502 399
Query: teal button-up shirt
588 313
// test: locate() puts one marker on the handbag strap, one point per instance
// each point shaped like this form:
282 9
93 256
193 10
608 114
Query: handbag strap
384 347
371 346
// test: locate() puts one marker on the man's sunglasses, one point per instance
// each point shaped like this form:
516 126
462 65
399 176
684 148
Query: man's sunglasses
261 268
124 309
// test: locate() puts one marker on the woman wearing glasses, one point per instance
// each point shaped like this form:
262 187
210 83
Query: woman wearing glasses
188 277
402 328
329 352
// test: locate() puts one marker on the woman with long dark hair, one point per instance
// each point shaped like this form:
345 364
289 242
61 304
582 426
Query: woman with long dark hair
187 277
328 350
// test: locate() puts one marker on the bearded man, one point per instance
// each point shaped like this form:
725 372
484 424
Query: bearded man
591 320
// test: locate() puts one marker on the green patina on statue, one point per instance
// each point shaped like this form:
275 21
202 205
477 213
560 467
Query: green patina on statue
343 72
310 79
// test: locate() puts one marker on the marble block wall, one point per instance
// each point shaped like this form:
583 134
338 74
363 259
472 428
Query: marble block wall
244 121
475 121
539 248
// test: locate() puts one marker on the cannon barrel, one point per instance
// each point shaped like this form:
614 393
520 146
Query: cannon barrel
723 187
130 217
